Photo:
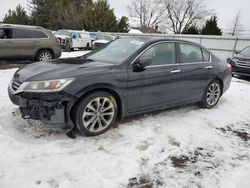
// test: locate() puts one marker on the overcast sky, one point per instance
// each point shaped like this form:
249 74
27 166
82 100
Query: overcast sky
225 9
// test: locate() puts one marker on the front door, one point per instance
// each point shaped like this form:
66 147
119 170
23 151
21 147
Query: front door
158 84
6 44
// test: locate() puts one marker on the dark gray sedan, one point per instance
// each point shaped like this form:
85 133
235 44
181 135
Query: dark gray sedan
126 77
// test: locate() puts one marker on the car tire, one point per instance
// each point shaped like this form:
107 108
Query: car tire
96 113
44 55
212 94
87 47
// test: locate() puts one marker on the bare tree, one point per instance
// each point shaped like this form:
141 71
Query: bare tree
235 26
146 12
182 14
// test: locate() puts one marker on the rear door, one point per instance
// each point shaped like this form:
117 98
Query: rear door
197 71
28 42
158 84
6 44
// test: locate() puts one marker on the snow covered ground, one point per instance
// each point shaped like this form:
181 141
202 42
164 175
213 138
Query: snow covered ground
184 147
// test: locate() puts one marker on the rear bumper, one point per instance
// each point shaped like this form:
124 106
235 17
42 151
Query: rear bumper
52 109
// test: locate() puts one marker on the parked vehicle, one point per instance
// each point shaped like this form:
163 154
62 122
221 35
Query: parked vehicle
126 77
71 39
241 62
101 40
20 42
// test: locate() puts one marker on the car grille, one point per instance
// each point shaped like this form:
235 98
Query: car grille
245 64
15 85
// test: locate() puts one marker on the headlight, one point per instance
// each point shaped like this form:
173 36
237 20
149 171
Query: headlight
46 86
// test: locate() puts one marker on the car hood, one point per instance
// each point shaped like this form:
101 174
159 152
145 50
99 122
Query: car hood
101 41
60 68
62 36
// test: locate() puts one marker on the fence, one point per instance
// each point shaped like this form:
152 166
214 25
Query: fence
222 46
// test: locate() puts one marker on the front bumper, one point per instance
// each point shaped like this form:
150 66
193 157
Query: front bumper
239 69
52 109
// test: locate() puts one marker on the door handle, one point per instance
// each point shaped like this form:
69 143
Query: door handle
8 42
175 71
209 67
36 42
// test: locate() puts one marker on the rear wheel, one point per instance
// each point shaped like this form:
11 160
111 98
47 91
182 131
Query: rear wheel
96 113
212 94
44 55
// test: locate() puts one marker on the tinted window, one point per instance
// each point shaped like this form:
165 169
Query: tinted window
27 34
206 56
162 54
190 53
5 33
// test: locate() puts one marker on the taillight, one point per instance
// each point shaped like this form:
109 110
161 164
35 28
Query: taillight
58 41
229 67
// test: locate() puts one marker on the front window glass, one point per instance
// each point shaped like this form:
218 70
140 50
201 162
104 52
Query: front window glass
116 52
190 54
5 33
245 52
162 54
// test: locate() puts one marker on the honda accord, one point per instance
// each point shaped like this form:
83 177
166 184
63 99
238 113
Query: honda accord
125 77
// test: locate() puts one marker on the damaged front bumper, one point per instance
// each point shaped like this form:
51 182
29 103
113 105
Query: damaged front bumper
52 109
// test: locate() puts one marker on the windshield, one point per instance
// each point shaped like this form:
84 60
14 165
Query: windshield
62 32
245 52
116 52
105 37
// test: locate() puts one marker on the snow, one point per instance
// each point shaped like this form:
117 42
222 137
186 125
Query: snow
134 31
180 147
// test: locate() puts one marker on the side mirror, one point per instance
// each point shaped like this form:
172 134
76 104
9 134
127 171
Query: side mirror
141 63
236 51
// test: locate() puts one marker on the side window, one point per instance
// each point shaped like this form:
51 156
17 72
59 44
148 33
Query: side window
206 56
190 54
39 35
5 33
161 54
28 34
22 34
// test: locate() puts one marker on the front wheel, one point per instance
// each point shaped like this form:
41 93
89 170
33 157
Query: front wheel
96 113
212 94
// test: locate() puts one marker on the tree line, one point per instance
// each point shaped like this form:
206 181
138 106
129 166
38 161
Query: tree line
73 14
175 16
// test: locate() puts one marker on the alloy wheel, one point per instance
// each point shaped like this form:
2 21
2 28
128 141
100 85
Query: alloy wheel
213 94
98 114
45 56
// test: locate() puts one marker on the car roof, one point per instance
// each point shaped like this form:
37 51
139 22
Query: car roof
160 39
21 26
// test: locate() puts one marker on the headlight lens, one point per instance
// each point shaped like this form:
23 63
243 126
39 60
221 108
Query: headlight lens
47 86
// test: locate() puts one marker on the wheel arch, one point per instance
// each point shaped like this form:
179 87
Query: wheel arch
41 49
221 83
106 88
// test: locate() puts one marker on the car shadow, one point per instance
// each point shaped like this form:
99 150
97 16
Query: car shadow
245 78
13 64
